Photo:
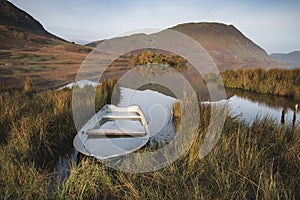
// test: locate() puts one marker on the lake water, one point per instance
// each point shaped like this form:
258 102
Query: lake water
246 105
249 106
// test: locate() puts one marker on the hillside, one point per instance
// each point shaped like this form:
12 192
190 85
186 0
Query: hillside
19 29
24 40
28 50
227 45
291 58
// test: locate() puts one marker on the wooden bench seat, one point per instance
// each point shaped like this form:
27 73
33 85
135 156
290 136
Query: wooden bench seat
115 132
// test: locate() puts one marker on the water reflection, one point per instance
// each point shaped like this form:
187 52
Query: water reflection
251 105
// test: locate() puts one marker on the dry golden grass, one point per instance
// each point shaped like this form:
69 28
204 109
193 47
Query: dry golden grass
257 161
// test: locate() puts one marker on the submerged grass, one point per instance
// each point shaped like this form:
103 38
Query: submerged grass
250 161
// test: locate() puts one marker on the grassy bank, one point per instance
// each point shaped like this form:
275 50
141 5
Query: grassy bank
35 129
257 161
282 82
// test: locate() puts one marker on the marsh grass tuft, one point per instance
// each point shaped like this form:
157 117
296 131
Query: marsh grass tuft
281 82
87 180
28 85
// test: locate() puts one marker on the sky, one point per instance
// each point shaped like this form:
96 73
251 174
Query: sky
273 25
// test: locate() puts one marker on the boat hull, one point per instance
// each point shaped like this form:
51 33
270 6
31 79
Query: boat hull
104 147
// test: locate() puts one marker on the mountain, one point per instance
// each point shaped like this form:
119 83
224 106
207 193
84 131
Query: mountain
19 29
28 50
22 37
291 58
228 47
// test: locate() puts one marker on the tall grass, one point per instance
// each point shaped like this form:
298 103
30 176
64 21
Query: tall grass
35 129
176 111
282 82
19 180
87 180
250 161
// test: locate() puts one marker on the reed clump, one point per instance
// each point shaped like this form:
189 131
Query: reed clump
176 111
281 82
87 180
28 85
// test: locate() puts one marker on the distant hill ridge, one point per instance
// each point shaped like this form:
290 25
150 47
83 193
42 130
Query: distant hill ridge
292 57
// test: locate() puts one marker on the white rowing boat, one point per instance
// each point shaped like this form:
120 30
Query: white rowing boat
112 132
